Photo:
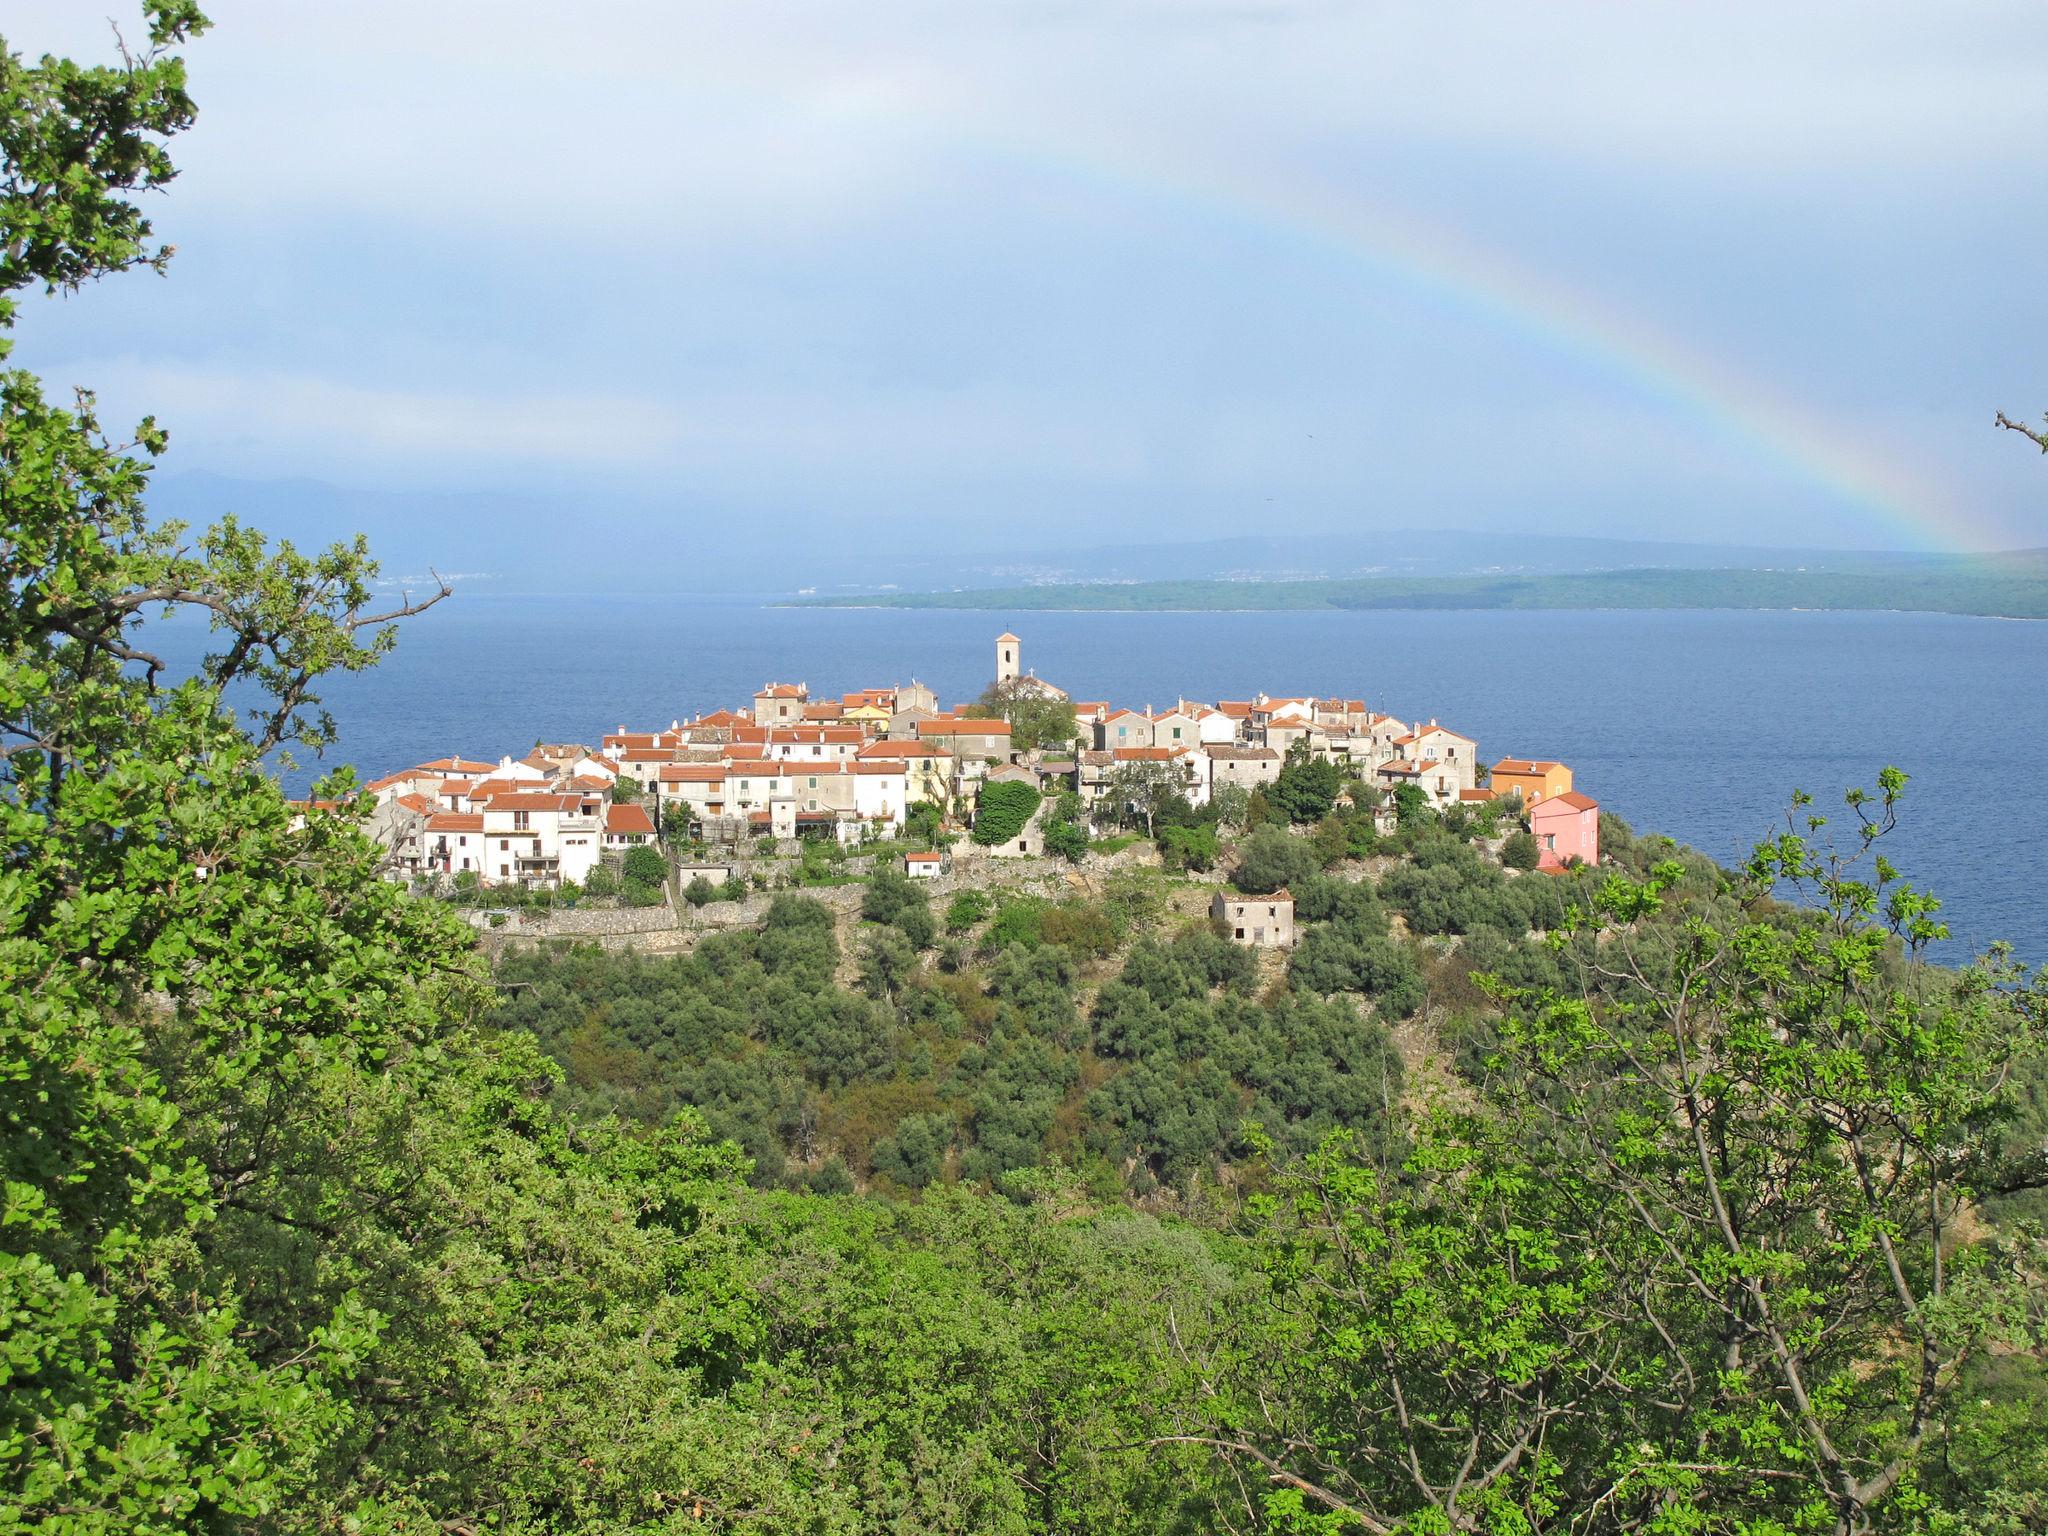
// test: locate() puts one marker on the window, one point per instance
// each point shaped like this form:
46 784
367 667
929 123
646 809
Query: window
814 785
1240 933
503 844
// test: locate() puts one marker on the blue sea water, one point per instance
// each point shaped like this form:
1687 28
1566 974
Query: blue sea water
1697 724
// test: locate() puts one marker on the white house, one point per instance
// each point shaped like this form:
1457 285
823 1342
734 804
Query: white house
538 838
881 792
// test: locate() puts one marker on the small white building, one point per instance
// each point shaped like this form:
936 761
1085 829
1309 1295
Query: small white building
927 866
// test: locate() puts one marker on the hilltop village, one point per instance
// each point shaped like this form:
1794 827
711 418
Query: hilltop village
876 764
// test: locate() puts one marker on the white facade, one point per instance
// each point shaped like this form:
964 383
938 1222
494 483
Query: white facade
881 794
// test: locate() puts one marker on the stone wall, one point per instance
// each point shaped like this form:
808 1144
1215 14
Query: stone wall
674 929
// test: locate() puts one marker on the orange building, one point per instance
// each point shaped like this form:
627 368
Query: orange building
1534 781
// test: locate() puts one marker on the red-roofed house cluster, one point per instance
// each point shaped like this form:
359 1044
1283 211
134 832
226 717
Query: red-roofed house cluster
793 765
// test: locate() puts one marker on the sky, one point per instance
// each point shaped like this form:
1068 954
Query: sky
986 272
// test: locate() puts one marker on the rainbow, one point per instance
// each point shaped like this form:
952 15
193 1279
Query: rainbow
1712 395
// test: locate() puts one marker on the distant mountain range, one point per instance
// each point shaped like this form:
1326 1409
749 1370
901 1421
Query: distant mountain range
594 542
2005 586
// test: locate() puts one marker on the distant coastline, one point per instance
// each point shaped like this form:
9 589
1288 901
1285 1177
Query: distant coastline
2001 589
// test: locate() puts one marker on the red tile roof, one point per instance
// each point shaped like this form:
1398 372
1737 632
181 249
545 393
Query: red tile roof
627 820
454 765
1570 797
529 800
455 821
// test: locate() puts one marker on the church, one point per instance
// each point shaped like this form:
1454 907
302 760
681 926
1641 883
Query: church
1010 673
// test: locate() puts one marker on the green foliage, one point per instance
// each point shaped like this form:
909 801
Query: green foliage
1018 920
1002 811
645 866
600 882
1036 722
922 821
892 897
1519 851
625 791
1190 847
1270 860
1066 839
1307 788
1411 804
967 908
700 891
638 893
1080 926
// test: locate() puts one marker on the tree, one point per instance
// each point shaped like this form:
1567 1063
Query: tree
1271 859
922 821
894 899
700 892
1695 1257
1139 792
645 865
1037 721
1190 847
625 791
1411 804
1232 805
1519 851
1307 787
1066 839
1002 811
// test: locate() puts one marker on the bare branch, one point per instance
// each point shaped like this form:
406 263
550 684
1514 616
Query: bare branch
2036 436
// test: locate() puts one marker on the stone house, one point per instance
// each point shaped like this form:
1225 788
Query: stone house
1260 922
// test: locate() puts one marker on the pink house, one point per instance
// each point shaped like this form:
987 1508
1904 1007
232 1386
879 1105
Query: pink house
1567 827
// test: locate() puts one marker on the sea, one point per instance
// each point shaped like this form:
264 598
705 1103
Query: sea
1698 725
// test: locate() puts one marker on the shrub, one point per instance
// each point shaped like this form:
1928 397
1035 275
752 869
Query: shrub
734 889
1017 922
645 866
922 820
1066 840
1193 847
916 1154
1080 926
700 891
1002 812
1520 851
895 899
1271 859
968 908
638 893
602 882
